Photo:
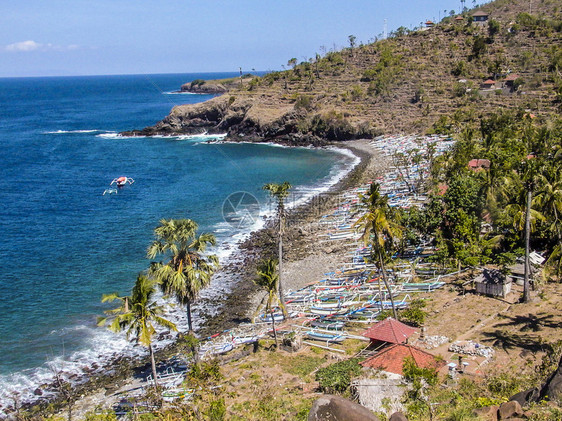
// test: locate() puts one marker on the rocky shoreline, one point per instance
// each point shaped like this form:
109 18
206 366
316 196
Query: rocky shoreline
302 254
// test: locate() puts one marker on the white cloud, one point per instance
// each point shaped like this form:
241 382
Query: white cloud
23 46
26 46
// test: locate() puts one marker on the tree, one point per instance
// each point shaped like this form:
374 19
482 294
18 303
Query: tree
268 279
379 230
137 315
280 193
292 63
189 269
352 39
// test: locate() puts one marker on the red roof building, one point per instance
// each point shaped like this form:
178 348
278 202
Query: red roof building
391 359
389 330
511 77
479 164
489 84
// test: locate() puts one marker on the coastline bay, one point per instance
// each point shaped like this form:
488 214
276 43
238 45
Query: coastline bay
64 243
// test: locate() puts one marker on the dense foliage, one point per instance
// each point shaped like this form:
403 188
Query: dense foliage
337 377
477 209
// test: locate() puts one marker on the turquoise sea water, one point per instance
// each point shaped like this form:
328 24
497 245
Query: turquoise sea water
63 243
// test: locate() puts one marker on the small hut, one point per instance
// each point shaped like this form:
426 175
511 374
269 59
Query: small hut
509 81
389 330
391 359
488 84
493 283
480 16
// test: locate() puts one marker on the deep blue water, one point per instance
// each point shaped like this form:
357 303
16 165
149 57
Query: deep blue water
63 243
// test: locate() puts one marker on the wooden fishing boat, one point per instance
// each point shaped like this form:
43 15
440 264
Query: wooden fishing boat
328 324
328 311
325 337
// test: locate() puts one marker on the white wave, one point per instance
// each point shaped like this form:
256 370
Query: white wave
76 131
180 93
114 135
204 137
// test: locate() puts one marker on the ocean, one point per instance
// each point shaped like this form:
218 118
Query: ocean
64 243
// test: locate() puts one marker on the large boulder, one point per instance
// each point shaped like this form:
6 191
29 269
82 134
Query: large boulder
510 409
488 413
526 397
398 416
336 408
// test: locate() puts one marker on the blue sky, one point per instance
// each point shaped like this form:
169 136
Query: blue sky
78 37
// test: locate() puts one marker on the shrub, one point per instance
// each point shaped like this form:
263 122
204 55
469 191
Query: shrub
414 314
303 102
217 410
337 377
197 82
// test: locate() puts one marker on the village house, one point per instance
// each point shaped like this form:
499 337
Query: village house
479 16
388 331
509 81
479 164
391 359
488 84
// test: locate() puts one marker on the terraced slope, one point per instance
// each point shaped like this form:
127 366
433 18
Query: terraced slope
415 81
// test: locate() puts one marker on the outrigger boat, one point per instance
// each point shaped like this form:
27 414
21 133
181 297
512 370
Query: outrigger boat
122 181
325 337
328 324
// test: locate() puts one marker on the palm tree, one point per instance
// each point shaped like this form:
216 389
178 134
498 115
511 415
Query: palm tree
379 230
189 269
280 192
137 315
268 278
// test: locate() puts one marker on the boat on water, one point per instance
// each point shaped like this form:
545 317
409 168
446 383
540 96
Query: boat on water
122 181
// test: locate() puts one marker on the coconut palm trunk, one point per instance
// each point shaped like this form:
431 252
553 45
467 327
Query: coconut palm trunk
280 281
274 329
189 319
153 364
386 284
526 282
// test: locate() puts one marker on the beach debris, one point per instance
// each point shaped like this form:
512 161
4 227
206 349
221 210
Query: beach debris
432 342
471 348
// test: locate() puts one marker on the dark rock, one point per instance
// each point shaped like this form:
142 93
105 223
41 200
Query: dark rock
204 88
526 397
509 409
38 392
336 408
552 389
488 413
398 416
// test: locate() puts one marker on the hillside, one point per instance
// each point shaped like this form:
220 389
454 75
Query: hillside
414 81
